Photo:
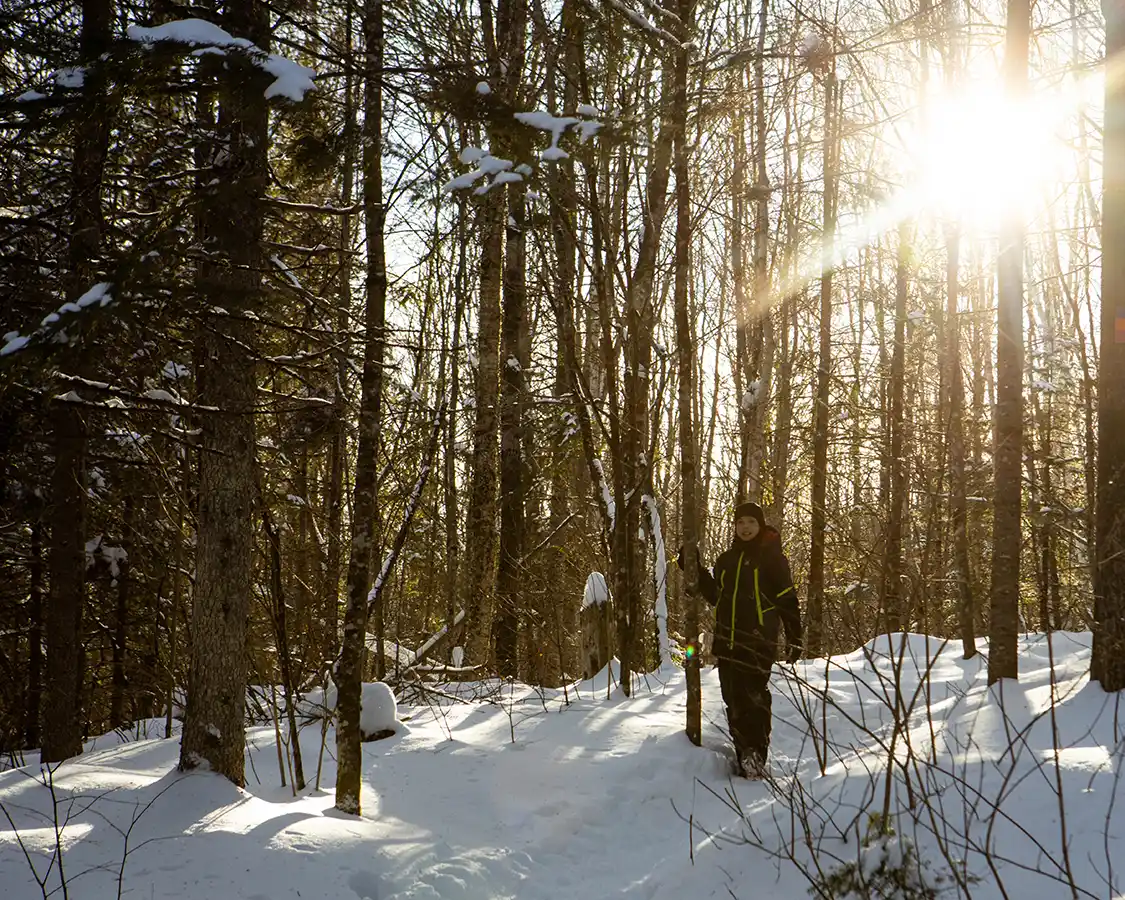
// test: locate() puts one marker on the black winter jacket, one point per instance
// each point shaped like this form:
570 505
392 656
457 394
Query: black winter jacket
752 591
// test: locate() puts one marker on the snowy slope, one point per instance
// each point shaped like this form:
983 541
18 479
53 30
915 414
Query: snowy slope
601 798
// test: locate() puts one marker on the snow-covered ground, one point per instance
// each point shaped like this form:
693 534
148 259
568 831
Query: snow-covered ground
537 795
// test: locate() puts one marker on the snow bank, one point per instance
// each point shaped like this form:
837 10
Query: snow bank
524 794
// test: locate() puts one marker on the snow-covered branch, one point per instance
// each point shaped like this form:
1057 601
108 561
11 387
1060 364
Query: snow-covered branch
644 23
291 80
54 325
505 171
609 507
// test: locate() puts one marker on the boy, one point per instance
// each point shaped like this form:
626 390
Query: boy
752 591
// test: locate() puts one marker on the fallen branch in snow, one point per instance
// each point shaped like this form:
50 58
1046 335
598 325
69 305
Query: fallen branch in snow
427 689
439 638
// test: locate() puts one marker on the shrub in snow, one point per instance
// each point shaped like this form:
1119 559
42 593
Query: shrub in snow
378 717
887 868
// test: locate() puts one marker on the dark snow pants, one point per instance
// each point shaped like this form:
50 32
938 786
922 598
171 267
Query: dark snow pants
745 686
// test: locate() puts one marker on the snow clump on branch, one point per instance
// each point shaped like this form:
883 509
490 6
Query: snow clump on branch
504 171
291 79
99 295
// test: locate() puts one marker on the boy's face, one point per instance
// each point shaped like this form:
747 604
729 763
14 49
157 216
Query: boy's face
746 527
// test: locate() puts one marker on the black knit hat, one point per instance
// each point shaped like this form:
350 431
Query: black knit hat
750 509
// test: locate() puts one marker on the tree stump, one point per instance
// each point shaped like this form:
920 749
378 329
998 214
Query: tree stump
596 623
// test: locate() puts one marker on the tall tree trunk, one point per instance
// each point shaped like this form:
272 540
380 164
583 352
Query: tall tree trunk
365 501
511 22
565 465
955 388
1040 473
306 620
452 547
823 376
685 356
742 314
338 453
281 637
480 524
335 502
62 725
62 711
232 223
708 444
957 483
117 715
34 637
790 330
634 464
1005 606
504 46
763 318
1107 665
891 589
510 567
177 582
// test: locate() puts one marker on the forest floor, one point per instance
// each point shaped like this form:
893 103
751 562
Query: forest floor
555 794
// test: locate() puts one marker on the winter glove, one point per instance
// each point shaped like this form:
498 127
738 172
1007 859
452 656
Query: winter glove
792 653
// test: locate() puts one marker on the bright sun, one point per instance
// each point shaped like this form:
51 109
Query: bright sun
983 156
